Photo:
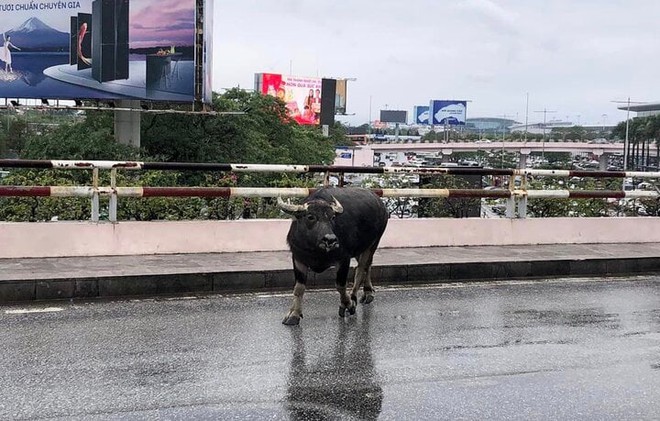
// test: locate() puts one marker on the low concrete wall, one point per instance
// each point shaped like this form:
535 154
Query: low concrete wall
57 239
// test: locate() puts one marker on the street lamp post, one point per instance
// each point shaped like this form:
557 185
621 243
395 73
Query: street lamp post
626 139
545 113
526 116
504 116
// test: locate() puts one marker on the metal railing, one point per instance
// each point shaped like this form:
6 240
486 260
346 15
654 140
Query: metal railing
516 196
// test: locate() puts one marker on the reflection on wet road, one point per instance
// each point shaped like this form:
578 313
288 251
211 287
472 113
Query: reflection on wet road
341 382
565 349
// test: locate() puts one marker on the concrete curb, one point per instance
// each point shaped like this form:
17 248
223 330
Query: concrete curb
203 282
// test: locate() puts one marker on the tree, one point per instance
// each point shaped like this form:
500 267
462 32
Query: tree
91 139
642 133
338 135
264 134
4 149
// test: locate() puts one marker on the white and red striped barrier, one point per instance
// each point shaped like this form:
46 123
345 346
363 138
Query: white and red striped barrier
190 166
95 191
234 192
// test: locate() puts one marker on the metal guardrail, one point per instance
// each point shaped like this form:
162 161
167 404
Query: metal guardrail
190 166
516 196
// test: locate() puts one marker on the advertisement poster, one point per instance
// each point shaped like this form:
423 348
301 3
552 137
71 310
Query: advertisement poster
421 113
98 49
340 97
302 95
448 112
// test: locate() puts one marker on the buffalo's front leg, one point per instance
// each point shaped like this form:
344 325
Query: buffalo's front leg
295 312
345 302
363 276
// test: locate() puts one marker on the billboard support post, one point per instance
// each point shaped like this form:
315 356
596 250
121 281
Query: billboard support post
127 123
199 52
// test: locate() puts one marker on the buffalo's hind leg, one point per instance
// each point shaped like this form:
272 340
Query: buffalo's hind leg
295 312
363 276
345 302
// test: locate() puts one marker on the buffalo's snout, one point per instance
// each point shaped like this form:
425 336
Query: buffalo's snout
329 242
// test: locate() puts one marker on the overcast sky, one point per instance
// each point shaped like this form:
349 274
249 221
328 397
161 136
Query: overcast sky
572 56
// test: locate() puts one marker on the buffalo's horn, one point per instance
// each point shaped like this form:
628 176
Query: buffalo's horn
289 207
337 207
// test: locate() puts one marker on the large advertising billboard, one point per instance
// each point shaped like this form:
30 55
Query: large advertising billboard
340 97
302 95
421 113
328 100
448 112
102 49
394 116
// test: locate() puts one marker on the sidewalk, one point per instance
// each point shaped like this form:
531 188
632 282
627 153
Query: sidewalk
113 276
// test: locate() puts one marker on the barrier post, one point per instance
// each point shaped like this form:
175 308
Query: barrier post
511 201
511 207
95 195
522 207
112 206
522 200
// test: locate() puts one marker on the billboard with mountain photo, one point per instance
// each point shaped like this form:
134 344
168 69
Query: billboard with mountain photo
101 49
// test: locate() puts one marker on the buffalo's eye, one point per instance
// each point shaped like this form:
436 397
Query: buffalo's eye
311 218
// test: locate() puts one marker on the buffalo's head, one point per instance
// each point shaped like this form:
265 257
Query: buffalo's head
314 223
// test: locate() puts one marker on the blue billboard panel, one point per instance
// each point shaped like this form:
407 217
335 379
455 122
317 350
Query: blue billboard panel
421 113
448 112
103 49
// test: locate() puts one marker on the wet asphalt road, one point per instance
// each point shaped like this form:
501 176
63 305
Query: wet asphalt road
565 349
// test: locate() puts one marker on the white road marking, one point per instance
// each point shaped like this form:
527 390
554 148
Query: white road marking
34 310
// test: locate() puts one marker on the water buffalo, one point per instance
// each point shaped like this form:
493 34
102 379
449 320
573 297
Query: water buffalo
331 226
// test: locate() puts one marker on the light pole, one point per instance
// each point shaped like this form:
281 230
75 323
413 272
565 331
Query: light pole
545 113
526 116
625 141
504 116
370 120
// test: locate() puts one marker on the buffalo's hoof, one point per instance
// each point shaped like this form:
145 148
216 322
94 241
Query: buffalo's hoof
367 298
292 320
351 310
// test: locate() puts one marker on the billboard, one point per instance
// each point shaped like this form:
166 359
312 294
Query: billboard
393 116
328 97
340 96
302 95
421 113
448 112
103 49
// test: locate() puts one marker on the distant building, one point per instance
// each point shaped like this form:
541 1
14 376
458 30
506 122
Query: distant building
487 125
643 110
562 127
540 128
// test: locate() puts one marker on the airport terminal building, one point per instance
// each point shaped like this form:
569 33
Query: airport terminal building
643 110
